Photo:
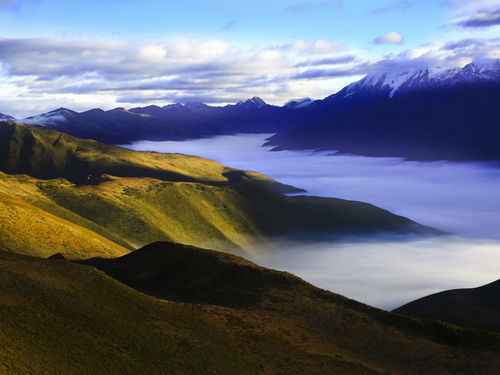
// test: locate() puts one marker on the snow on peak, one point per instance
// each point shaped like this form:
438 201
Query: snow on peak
255 102
409 81
49 118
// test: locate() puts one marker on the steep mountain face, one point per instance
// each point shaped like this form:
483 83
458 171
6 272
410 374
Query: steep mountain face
477 308
449 115
224 315
403 83
133 198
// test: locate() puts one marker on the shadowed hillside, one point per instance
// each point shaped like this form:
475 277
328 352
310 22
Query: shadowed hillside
46 154
477 308
58 317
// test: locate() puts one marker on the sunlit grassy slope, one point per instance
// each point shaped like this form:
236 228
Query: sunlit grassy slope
64 318
27 229
135 198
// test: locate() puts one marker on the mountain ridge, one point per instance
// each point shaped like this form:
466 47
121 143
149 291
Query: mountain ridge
477 308
418 115
66 313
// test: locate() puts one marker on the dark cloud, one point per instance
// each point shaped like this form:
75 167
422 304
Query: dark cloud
302 6
327 61
328 73
180 98
483 18
396 6
464 43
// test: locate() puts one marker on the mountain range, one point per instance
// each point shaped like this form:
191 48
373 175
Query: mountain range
174 309
422 115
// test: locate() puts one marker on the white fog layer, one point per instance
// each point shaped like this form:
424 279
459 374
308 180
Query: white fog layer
460 198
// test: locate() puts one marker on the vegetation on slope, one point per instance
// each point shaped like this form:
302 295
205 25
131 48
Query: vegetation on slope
27 229
135 198
61 318
64 318
46 154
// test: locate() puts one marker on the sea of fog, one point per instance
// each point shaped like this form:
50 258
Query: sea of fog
460 198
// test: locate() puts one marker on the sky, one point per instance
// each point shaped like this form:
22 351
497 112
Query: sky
127 53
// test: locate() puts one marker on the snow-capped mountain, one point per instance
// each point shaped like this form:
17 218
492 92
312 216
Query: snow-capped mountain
394 84
4 117
255 102
422 115
50 118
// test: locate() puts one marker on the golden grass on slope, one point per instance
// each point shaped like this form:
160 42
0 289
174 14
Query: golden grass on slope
133 212
45 153
26 229
63 318
60 318
291 327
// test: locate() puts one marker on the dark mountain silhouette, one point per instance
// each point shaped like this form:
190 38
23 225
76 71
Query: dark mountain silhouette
477 308
442 124
421 115
171 122
449 115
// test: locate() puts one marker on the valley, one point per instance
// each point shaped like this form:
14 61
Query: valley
249 187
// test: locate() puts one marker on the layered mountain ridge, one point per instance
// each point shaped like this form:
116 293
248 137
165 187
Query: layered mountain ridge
420 115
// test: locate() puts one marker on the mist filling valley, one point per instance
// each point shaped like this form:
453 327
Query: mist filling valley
462 199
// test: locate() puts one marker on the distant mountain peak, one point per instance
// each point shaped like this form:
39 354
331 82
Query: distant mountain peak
50 118
400 82
254 102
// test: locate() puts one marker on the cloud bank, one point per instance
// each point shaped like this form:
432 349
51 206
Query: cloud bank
82 73
482 18
385 271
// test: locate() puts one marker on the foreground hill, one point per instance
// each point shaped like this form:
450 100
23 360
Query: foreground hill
133 198
64 318
474 308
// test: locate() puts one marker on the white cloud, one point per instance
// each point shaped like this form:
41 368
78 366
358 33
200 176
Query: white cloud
45 73
317 47
389 38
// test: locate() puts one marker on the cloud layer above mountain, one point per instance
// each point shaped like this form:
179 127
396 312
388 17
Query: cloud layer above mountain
211 71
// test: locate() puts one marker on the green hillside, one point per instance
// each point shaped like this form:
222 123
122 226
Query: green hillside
225 316
135 198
